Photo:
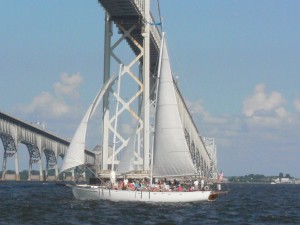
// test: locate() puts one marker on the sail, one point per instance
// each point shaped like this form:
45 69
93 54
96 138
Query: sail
127 161
171 153
75 152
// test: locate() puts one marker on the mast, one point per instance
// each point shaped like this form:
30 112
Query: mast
146 79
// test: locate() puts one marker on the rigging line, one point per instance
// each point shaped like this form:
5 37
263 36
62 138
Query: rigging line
96 175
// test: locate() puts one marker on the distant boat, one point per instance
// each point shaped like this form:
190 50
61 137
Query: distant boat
284 180
171 155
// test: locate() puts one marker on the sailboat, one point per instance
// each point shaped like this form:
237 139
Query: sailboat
171 157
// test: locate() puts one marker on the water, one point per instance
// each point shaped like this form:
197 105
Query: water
38 203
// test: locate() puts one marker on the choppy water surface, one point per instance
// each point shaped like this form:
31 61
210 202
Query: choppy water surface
38 203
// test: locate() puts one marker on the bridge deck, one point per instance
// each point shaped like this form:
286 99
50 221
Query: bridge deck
38 130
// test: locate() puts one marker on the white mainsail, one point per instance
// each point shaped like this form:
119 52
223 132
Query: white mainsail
171 153
75 152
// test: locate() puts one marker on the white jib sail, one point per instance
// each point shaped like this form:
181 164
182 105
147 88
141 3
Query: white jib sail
171 153
127 161
75 152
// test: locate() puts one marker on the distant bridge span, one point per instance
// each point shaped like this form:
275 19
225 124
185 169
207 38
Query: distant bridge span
14 131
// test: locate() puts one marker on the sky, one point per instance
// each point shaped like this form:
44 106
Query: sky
237 63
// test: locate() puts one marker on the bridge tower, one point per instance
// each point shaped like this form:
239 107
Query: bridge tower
132 23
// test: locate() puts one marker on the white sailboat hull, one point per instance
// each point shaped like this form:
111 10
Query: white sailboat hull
87 192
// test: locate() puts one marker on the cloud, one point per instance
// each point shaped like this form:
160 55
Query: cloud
263 133
297 104
260 102
68 85
262 109
47 104
222 128
56 105
197 110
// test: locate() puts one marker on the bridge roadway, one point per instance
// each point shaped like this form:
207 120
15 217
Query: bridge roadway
129 16
38 141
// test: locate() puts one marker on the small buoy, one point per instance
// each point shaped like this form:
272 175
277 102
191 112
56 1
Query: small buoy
206 188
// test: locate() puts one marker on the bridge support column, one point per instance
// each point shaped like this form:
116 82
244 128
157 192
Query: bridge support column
4 166
73 175
56 171
41 170
46 172
17 176
130 102
29 170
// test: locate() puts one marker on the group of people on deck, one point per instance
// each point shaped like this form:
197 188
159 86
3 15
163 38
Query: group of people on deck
162 185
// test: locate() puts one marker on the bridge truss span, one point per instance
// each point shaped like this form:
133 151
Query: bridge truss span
38 142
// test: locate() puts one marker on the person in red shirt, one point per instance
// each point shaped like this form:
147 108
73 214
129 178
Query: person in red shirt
179 188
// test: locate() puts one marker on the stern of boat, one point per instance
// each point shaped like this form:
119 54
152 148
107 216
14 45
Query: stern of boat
213 196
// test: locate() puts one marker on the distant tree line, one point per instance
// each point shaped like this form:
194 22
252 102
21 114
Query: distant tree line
286 176
257 178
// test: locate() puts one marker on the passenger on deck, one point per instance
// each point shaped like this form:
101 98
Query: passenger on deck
121 186
125 183
202 184
130 185
179 188
196 185
137 185
115 186
166 187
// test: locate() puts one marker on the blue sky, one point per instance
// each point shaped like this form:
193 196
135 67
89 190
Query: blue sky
237 63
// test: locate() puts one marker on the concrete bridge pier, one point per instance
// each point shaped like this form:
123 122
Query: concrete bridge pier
56 172
29 170
6 176
41 169
10 150
36 157
32 177
17 174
